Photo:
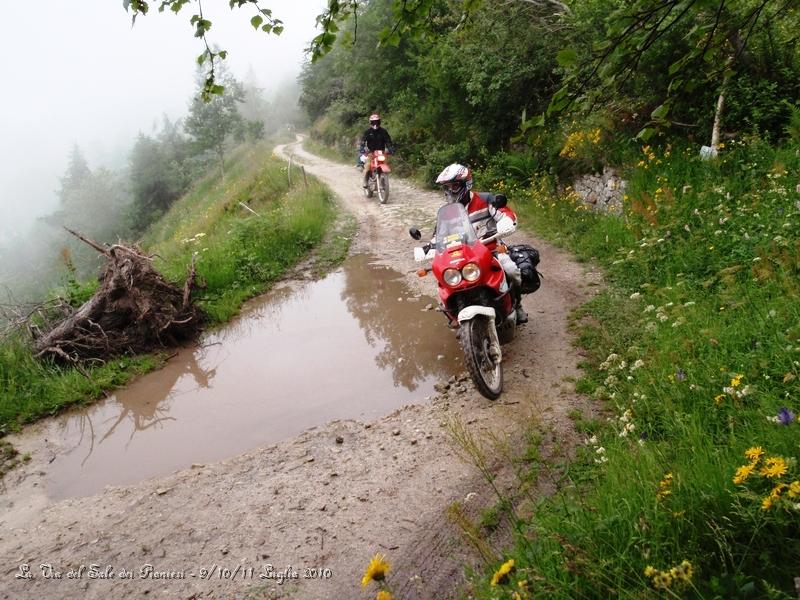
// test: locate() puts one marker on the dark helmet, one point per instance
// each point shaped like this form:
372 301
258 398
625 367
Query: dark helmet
457 182
375 119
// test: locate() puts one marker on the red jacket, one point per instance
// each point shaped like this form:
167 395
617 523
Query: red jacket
477 203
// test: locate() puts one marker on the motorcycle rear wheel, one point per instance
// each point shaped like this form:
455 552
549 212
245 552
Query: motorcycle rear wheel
383 188
487 375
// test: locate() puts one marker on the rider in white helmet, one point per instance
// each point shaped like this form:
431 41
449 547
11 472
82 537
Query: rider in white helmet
456 180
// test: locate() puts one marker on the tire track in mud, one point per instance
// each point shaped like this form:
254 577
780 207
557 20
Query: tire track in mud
334 495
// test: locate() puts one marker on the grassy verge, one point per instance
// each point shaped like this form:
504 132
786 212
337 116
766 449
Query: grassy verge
691 486
335 154
238 255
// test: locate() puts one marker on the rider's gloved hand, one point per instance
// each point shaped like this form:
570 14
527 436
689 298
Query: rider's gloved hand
506 225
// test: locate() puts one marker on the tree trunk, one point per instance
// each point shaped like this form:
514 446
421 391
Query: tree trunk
718 112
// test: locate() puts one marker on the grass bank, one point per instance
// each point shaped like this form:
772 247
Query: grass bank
690 485
238 253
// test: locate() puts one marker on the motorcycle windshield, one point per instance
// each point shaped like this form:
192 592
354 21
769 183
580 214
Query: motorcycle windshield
453 227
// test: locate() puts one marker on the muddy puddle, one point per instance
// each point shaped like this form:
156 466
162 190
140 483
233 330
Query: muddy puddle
355 344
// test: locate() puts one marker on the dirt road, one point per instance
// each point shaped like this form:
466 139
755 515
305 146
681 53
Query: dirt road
318 505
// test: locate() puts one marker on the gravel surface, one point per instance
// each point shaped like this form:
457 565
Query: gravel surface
319 505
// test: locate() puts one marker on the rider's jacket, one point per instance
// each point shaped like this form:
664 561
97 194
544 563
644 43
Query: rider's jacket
477 203
376 139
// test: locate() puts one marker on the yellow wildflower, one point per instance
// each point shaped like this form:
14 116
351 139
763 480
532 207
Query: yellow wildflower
774 467
501 575
376 571
682 572
766 503
662 580
777 490
794 489
754 453
649 571
736 381
719 398
384 595
743 472
663 487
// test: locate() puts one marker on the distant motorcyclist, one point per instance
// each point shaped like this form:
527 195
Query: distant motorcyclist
456 180
374 138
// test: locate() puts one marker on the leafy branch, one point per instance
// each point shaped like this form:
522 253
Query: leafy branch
262 20
712 48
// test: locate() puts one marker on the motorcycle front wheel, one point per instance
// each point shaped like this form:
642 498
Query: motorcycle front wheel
383 188
487 375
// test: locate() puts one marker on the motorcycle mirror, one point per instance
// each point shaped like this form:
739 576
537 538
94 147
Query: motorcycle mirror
498 201
415 233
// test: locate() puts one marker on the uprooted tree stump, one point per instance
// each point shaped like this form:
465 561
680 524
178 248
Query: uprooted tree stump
135 310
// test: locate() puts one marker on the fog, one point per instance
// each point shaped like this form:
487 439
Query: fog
78 73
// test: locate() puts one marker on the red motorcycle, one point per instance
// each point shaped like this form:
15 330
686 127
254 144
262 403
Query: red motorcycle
378 177
474 293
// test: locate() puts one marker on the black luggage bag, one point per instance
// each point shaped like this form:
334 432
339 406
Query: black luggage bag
526 257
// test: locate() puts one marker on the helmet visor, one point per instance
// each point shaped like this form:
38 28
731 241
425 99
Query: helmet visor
454 191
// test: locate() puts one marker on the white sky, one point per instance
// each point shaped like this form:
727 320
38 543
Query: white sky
76 72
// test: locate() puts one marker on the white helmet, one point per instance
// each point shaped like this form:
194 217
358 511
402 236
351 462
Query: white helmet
457 182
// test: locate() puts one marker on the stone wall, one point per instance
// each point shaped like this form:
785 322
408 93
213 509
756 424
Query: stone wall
603 193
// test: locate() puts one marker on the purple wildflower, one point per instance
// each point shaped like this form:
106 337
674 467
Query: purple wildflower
680 375
785 416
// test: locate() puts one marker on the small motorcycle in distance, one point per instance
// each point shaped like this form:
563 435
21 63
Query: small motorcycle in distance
377 163
474 293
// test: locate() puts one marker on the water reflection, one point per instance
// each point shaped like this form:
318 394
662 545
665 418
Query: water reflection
300 356
391 322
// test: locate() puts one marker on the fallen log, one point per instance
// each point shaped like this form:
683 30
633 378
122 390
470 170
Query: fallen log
134 310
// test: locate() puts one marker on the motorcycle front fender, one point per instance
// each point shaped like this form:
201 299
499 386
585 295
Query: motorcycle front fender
385 168
470 312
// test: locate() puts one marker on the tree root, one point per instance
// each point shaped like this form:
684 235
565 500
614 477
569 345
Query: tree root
134 310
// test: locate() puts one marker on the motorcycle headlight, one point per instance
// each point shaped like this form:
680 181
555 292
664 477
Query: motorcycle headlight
452 277
381 158
471 272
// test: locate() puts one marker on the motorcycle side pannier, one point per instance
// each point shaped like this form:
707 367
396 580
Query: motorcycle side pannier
526 257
